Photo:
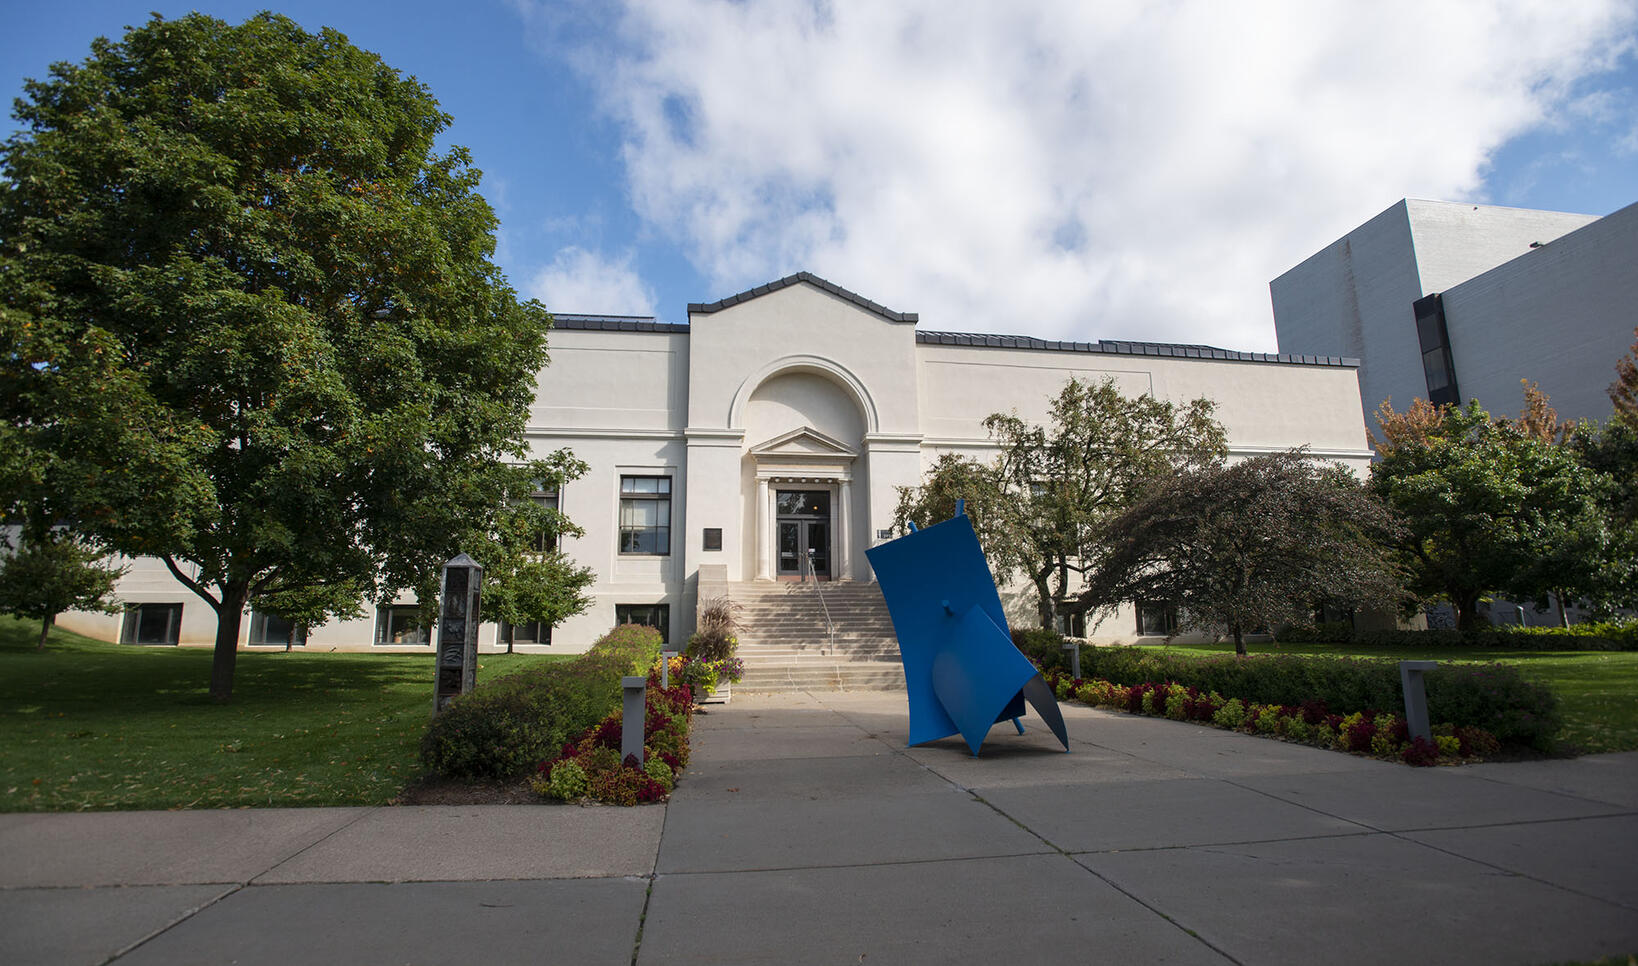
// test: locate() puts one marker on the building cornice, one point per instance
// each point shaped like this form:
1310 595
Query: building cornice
971 442
580 433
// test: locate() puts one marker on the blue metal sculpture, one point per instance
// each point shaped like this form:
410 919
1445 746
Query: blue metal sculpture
961 670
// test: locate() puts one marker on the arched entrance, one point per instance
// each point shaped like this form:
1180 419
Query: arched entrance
805 427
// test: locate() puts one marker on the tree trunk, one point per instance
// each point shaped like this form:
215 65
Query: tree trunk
1043 604
228 618
1239 640
45 628
1467 610
1563 617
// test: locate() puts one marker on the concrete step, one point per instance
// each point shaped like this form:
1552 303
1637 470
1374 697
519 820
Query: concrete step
823 676
787 643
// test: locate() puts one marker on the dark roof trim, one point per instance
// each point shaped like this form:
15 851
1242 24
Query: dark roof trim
641 323
614 323
811 279
1161 349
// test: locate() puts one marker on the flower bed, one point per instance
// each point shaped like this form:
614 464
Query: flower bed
1369 732
1494 697
503 727
590 768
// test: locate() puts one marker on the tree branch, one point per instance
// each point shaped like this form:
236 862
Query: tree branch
192 584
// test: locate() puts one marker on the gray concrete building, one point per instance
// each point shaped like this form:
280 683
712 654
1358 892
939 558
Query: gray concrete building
1451 302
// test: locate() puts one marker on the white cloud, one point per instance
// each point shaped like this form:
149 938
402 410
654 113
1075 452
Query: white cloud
1067 169
582 282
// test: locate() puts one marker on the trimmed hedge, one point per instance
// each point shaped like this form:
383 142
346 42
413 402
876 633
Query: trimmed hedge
505 728
1044 647
1494 697
1591 636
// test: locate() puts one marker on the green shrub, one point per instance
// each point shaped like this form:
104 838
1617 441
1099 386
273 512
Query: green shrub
1591 636
506 727
567 781
1044 647
1489 696
658 770
1231 715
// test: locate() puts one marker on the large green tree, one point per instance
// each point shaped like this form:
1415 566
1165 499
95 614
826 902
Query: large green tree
1255 544
253 326
1489 505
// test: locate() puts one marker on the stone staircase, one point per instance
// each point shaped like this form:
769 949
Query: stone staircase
786 646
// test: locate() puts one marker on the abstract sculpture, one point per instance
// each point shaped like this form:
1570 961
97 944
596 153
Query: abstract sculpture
961 670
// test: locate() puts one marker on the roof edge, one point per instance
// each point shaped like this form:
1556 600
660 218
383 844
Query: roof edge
706 308
614 323
1127 348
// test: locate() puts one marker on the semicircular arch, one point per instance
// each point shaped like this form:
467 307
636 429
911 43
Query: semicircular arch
817 365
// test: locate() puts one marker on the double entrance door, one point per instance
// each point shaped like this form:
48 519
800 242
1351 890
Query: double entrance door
802 532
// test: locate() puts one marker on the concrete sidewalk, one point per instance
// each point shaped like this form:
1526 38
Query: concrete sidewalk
806 833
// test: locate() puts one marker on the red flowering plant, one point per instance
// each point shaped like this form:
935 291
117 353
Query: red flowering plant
590 767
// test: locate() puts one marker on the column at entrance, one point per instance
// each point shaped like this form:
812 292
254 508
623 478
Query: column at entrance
764 565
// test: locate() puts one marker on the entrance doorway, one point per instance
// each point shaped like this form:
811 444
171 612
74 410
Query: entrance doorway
802 532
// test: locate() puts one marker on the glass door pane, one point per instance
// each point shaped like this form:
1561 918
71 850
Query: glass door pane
817 544
789 540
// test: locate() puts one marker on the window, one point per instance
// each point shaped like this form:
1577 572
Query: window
1438 368
545 540
1071 625
1156 618
645 515
273 629
152 624
401 624
657 616
533 632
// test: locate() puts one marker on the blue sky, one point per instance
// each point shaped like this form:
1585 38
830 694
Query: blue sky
1062 169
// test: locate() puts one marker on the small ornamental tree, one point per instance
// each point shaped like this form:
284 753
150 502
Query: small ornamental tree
953 480
52 572
1251 545
526 575
1039 506
1624 390
251 320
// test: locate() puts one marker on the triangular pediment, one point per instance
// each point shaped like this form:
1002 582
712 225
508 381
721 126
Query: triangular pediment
802 278
805 442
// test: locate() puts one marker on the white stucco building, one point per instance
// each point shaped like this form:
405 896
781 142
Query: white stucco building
1451 302
781 421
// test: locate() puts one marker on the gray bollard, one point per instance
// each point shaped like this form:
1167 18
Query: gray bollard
1416 697
665 668
1074 649
631 739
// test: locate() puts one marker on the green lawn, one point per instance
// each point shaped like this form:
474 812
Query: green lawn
88 725
1598 689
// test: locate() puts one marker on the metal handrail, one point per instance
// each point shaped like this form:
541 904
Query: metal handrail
830 626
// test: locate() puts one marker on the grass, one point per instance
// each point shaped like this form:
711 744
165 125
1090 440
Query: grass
1598 690
88 725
